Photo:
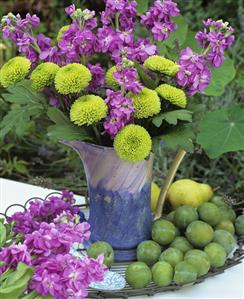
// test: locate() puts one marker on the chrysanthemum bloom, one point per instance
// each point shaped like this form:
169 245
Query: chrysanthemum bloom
109 78
72 78
172 94
162 65
61 32
88 110
147 103
133 143
16 69
44 75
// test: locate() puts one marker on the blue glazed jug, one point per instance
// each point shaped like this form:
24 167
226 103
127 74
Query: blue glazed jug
119 195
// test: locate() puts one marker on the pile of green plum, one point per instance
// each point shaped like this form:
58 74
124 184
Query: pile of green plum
186 244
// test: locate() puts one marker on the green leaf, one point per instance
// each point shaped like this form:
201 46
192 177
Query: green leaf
179 137
146 79
32 295
16 284
221 77
3 234
222 131
68 132
191 42
172 117
27 105
179 35
57 116
142 6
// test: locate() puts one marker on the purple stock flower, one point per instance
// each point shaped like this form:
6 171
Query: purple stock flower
121 112
29 21
70 9
98 77
14 254
23 223
66 277
158 19
219 38
194 74
141 50
127 77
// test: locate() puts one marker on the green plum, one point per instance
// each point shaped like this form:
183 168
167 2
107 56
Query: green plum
170 216
184 215
148 252
225 239
184 273
138 275
199 260
199 233
172 256
182 244
163 232
239 225
162 274
226 225
216 254
227 213
101 247
218 201
209 213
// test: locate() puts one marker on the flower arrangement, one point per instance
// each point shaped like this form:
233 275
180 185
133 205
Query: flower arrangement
108 84
37 252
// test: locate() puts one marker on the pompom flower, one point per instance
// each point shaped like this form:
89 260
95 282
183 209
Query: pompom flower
72 78
88 110
14 70
162 65
133 143
147 103
61 32
172 94
109 78
44 75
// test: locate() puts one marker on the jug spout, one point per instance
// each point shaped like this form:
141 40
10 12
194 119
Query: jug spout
79 146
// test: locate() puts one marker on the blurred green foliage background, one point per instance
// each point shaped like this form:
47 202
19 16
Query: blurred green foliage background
37 160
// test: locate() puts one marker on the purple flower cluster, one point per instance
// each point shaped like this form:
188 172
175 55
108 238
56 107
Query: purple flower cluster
119 44
98 77
13 255
120 112
75 42
194 74
47 248
216 39
158 19
64 276
124 10
127 78
55 238
42 211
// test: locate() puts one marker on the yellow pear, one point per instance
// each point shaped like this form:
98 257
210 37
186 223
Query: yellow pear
188 192
155 191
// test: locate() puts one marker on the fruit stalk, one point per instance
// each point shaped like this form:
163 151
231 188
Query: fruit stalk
168 181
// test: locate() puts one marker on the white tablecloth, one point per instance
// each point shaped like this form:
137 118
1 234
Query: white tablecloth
227 285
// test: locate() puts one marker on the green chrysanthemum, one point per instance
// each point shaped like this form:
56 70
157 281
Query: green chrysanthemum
72 78
133 143
61 32
88 110
44 75
14 70
110 80
162 65
172 94
147 103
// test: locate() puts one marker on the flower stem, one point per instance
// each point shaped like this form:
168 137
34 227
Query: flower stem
117 21
83 59
168 181
97 134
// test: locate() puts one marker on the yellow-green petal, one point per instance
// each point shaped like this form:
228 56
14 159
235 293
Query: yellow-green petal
133 143
172 94
162 65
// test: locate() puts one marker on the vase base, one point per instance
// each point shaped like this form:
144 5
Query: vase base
127 255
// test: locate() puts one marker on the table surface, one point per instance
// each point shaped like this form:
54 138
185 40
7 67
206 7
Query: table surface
230 284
